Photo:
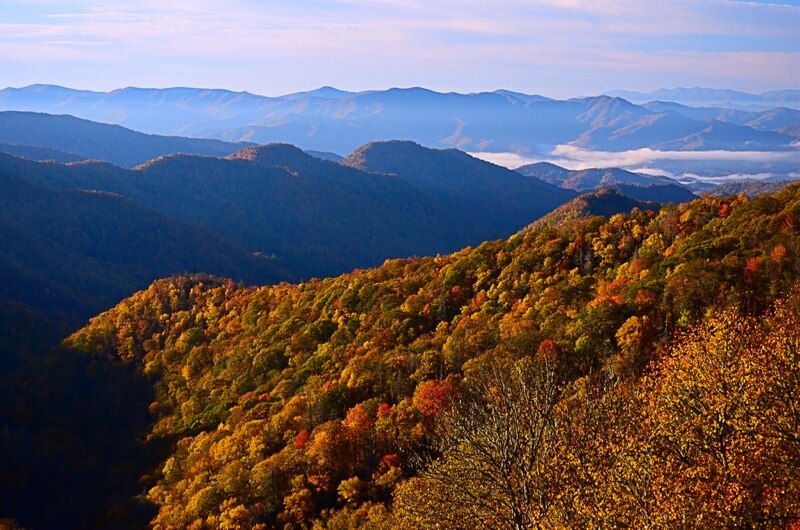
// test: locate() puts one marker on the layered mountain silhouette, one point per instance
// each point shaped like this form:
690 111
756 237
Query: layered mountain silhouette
261 214
80 231
332 120
589 179
781 119
69 139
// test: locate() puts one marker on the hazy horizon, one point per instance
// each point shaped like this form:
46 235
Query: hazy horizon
557 48
382 89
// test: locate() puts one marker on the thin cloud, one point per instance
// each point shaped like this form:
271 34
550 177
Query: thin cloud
572 157
646 155
545 46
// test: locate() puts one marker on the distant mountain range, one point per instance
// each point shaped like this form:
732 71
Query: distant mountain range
336 121
589 179
781 119
711 97
749 189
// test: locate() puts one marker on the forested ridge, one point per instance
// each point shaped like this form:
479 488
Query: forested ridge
633 371
318 218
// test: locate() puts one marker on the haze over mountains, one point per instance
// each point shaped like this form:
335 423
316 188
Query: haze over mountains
328 119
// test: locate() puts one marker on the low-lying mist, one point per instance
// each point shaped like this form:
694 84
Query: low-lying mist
708 166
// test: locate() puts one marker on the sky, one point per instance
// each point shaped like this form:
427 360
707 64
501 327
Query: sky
558 48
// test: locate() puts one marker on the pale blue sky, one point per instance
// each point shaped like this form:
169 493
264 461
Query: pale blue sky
558 48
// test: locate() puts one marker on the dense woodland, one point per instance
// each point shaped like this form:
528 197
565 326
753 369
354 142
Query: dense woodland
637 371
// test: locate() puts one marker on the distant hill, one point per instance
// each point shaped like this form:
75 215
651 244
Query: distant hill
501 197
637 186
449 170
719 135
749 189
605 202
792 130
546 171
656 193
588 179
35 152
332 120
671 131
86 139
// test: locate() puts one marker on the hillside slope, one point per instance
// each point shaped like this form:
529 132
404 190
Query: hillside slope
68 254
485 190
41 154
316 403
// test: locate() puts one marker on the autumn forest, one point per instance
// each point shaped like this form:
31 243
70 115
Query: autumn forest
637 370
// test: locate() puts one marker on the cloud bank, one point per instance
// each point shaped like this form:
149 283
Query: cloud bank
572 157
709 166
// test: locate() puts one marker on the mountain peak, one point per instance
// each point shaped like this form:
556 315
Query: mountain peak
275 154
544 170
603 201
53 89
327 89
327 92
521 96
365 156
